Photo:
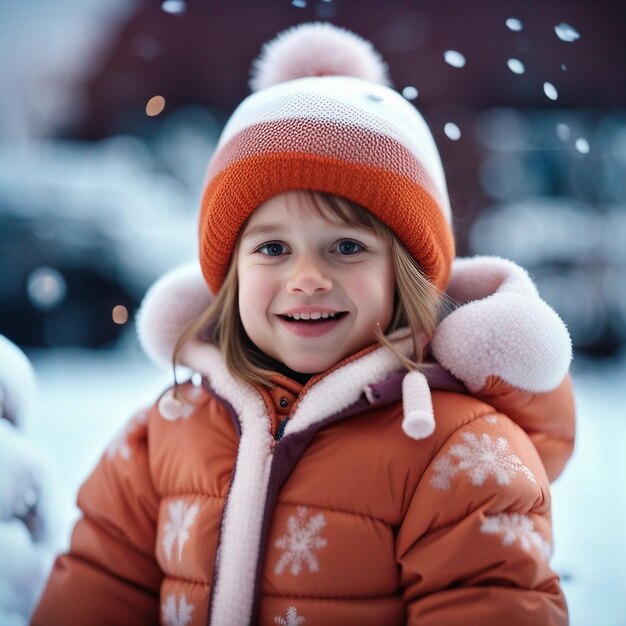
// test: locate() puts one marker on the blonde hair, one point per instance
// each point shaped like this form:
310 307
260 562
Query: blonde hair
417 303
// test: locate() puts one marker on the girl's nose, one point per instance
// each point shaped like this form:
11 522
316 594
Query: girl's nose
308 278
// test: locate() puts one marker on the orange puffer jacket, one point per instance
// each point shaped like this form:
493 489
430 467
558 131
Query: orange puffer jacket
310 505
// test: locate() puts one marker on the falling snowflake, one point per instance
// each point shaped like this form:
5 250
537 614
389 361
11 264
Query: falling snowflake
550 90
516 527
410 92
120 444
480 457
452 131
177 614
176 529
174 7
565 32
292 619
300 542
454 58
516 66
514 24
582 145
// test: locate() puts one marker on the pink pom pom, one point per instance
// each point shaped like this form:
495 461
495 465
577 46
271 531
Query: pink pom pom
316 49
170 408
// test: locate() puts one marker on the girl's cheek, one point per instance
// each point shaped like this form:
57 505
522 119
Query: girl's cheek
256 283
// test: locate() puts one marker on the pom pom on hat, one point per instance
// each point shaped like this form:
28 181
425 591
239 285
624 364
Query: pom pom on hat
316 49
171 408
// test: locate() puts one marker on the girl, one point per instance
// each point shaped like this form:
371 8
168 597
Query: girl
346 457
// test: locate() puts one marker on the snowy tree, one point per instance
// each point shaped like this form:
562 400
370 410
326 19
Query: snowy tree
26 516
301 542
480 457
176 528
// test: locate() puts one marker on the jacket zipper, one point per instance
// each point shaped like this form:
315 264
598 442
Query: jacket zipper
281 429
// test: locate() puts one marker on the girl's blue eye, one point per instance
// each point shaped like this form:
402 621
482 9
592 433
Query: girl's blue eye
349 247
271 249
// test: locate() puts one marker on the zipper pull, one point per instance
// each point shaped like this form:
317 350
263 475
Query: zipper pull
281 429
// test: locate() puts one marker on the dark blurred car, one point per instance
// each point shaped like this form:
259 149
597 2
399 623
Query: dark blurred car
54 293
84 230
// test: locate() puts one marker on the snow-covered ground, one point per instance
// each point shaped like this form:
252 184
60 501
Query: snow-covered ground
85 397
590 501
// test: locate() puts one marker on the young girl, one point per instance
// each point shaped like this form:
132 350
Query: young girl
348 457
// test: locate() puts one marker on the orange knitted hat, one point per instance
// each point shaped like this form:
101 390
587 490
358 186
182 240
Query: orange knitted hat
323 119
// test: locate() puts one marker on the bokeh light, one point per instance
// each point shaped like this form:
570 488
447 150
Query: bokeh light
46 288
120 314
155 105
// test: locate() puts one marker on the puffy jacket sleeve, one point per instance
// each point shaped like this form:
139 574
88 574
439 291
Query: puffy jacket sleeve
110 575
548 418
475 544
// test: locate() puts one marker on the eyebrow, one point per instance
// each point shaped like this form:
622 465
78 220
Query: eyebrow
262 229
266 229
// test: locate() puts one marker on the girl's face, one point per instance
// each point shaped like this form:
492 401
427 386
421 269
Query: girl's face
337 279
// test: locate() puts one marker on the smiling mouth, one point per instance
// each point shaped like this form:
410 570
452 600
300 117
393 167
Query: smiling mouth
314 326
313 318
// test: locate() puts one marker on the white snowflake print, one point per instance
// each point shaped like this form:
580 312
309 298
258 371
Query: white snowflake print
120 444
491 419
177 613
176 529
479 457
300 542
292 618
517 527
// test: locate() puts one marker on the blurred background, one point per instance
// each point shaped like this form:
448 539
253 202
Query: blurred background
110 112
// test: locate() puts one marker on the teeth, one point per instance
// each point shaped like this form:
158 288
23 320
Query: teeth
311 316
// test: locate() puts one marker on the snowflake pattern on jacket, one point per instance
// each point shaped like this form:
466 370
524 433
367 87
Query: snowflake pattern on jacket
301 542
480 457
292 618
516 527
177 613
120 445
176 528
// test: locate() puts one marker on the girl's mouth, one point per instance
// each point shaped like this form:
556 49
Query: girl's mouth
314 326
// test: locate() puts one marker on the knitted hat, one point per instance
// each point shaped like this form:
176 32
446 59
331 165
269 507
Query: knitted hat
323 119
